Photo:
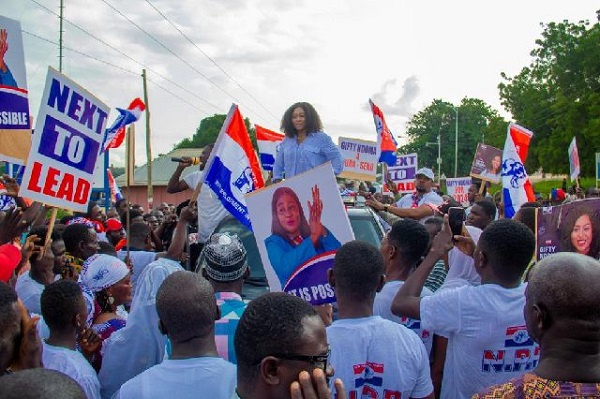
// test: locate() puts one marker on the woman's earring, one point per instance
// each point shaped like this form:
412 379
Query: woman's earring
111 300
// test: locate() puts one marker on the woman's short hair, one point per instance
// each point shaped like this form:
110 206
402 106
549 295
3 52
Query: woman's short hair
568 224
276 227
313 121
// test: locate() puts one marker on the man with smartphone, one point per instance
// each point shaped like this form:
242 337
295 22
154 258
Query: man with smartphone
417 205
488 341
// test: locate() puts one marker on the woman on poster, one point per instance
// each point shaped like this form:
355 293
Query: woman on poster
295 240
305 145
492 169
580 232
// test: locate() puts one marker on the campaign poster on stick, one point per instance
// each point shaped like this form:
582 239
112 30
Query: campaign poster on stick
487 164
64 149
15 124
458 188
299 232
403 173
360 159
572 227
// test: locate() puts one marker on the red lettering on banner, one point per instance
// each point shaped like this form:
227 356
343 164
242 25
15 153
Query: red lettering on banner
82 191
65 191
36 171
69 189
51 181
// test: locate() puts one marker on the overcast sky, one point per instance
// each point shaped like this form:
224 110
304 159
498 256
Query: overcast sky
267 54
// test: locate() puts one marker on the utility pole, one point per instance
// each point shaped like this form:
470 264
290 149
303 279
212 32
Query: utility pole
60 37
456 143
148 144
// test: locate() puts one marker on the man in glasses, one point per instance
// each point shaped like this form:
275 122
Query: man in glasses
372 356
280 343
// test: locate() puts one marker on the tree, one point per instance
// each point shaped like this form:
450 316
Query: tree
208 131
477 123
558 96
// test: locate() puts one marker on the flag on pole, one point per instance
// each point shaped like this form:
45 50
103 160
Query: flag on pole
268 143
574 159
114 135
516 187
232 170
386 143
115 192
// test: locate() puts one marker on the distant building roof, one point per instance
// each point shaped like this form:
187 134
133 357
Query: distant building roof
162 169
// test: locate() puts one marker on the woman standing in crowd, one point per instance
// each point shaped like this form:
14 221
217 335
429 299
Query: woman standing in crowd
295 240
305 145
109 279
579 232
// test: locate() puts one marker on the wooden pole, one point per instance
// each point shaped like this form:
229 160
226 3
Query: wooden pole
148 144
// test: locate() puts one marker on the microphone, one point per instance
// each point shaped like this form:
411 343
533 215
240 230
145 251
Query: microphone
194 160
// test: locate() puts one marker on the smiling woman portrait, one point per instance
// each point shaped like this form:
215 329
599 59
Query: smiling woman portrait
305 145
295 240
580 232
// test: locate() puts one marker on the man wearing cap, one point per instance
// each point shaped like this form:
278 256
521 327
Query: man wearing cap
223 262
417 205
115 233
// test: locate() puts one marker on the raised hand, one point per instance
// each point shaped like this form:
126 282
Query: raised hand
29 353
315 387
315 210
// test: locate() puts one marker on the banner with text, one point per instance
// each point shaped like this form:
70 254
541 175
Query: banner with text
403 173
296 254
15 126
458 189
573 227
65 146
360 159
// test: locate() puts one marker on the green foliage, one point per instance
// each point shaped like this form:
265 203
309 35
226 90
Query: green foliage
208 131
558 96
477 122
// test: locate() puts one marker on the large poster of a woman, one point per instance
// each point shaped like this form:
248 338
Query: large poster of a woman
298 225
573 227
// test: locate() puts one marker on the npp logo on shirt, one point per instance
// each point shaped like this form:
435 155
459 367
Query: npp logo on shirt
520 353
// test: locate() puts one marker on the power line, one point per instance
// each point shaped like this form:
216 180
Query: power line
179 57
131 58
209 58
117 67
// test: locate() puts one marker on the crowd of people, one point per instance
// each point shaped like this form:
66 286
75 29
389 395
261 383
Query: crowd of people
90 311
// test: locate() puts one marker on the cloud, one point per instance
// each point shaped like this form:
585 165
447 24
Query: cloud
402 106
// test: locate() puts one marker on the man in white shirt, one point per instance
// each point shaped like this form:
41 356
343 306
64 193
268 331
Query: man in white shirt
402 248
65 312
210 209
488 341
417 205
187 312
373 357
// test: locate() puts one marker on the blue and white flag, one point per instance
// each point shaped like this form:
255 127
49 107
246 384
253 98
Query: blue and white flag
232 170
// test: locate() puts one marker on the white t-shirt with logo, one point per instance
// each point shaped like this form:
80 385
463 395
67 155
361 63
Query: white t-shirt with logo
210 209
383 304
377 358
488 342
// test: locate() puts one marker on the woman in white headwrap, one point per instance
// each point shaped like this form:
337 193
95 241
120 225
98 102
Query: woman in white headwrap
140 345
109 279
